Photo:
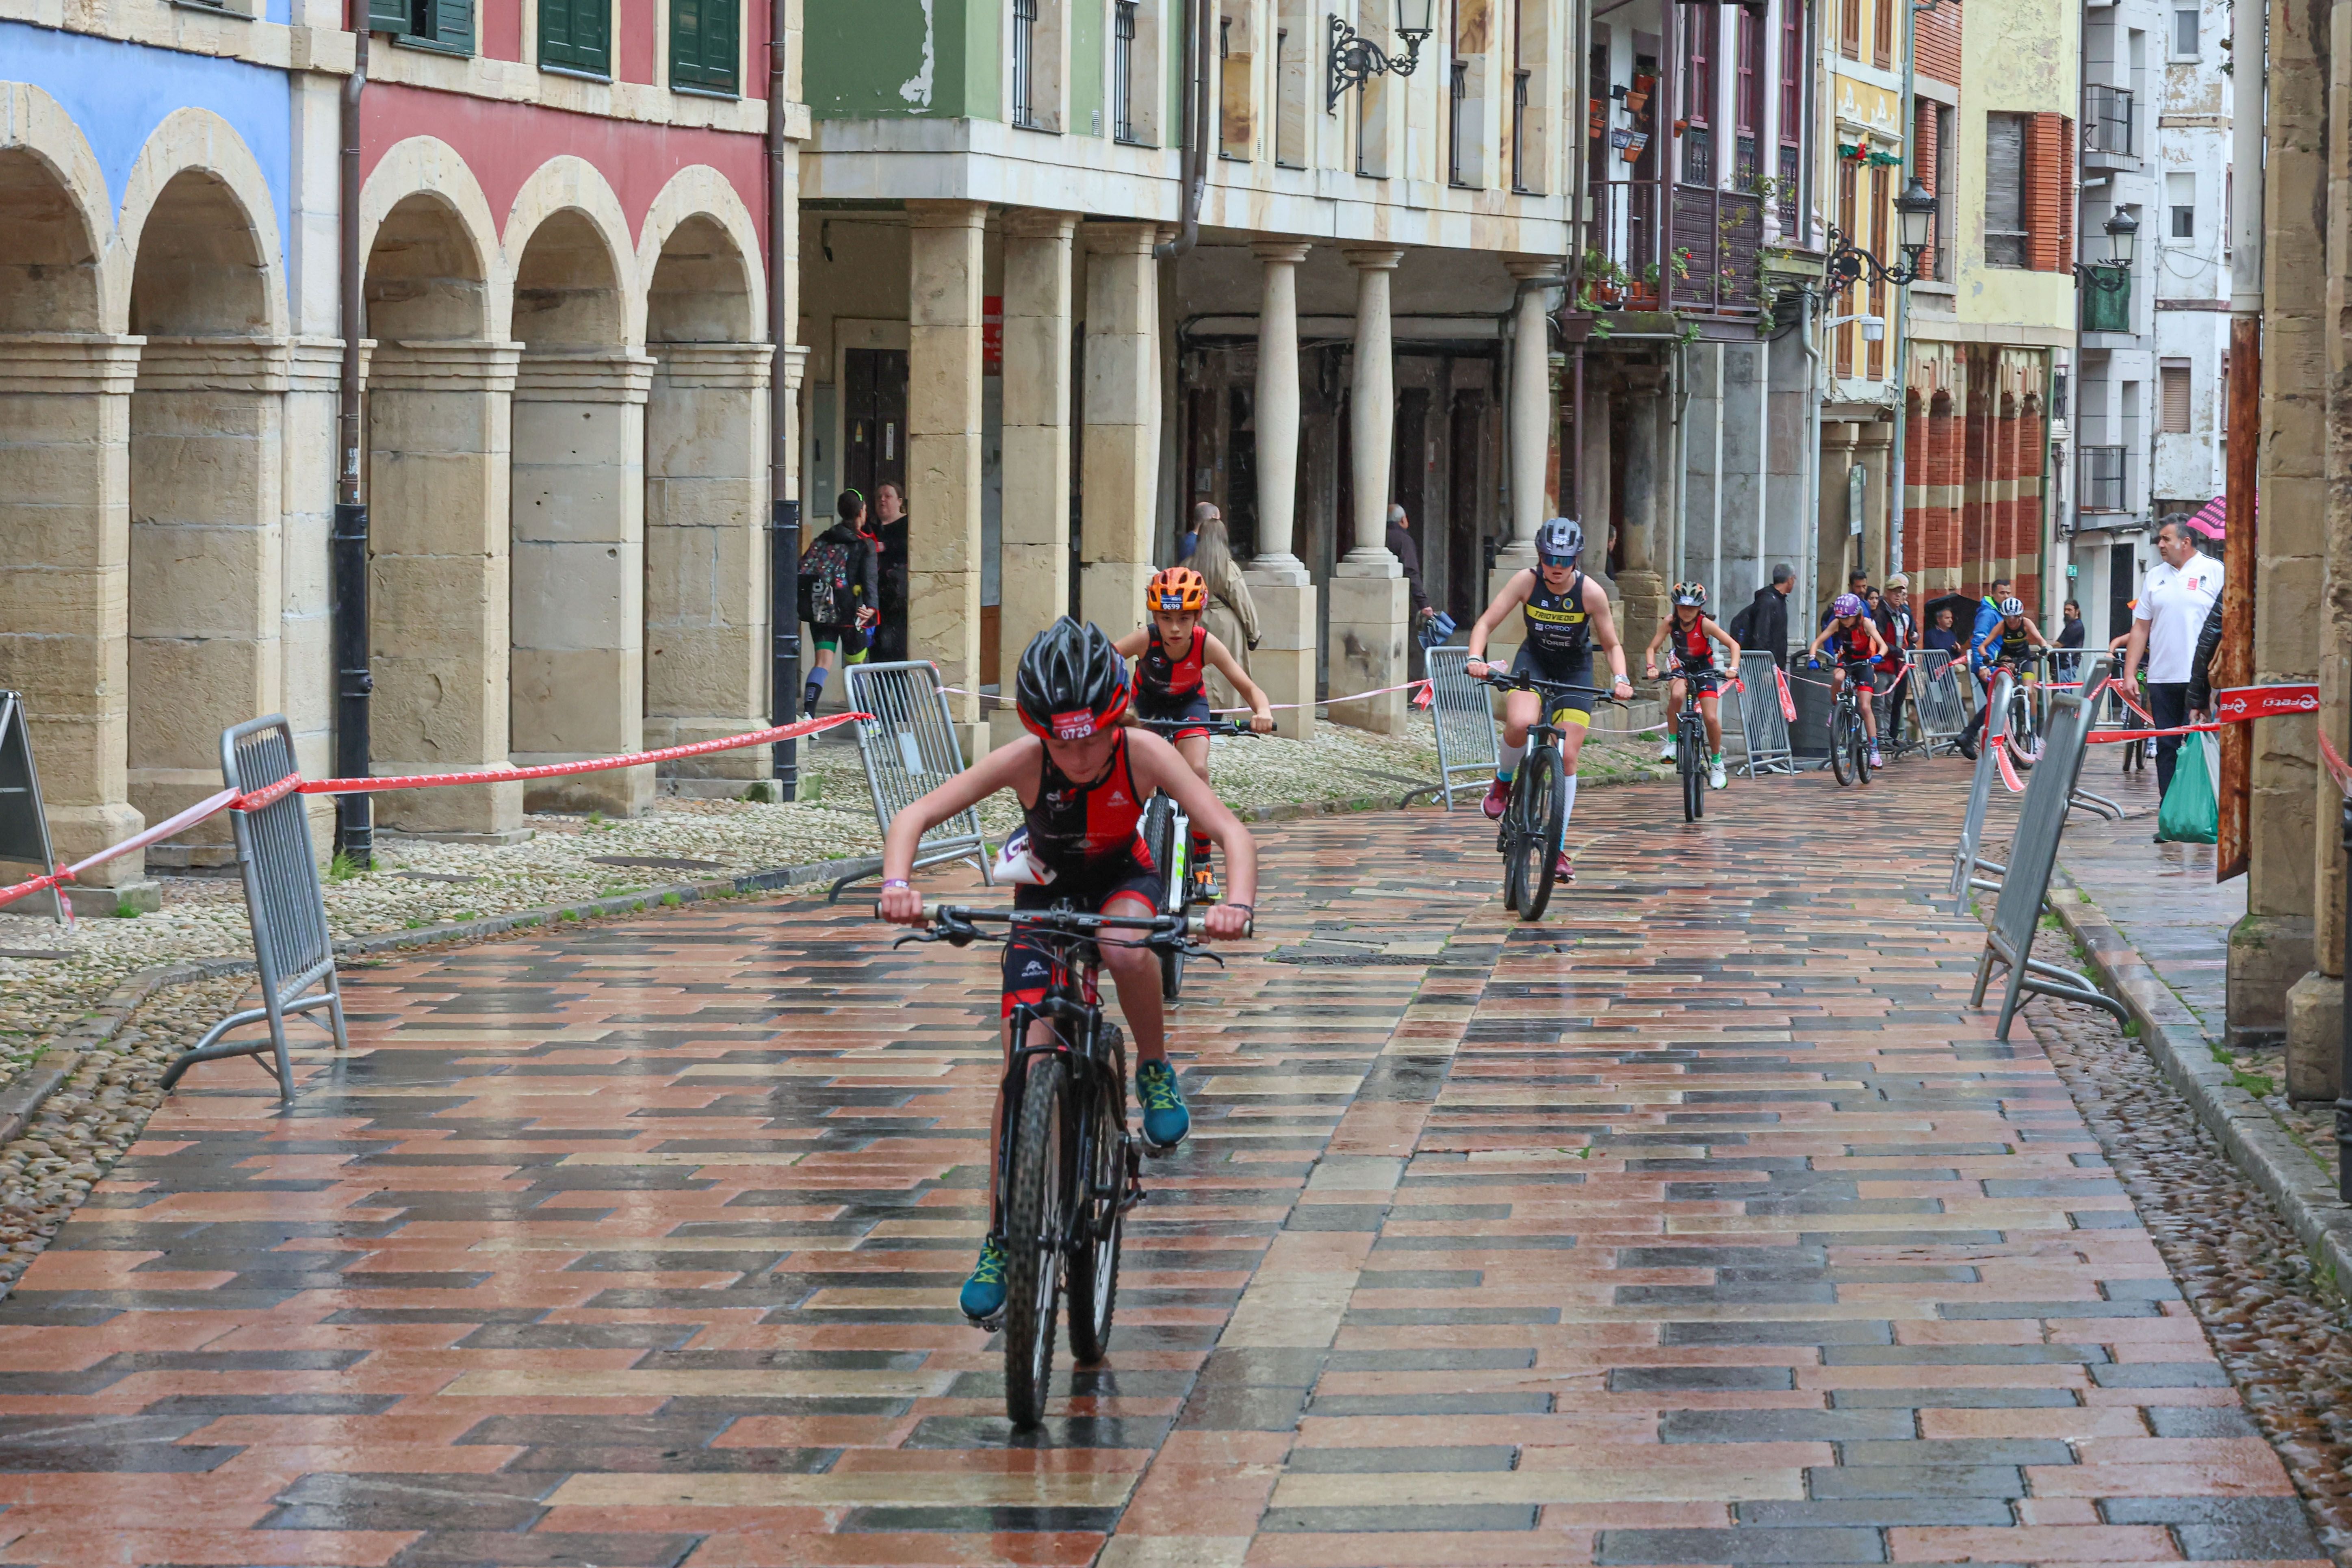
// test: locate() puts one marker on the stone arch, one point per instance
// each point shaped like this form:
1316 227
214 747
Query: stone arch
569 264
698 239
431 247
200 233
56 228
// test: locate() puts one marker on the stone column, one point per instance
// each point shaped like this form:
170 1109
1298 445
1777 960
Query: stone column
440 434
1529 413
1593 506
65 509
1284 663
1122 412
579 497
943 419
706 637
1369 601
1033 560
1877 447
1834 554
207 577
1641 589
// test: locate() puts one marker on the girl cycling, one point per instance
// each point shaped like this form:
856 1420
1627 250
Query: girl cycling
1853 641
1693 635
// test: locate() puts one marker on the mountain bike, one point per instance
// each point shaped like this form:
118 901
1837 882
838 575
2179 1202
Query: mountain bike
1849 742
1536 817
1168 834
2021 731
1690 750
1067 1167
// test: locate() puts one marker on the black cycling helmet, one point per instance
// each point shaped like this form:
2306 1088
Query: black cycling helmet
1072 682
1559 541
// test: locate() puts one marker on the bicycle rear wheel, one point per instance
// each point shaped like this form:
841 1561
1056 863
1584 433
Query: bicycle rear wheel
1543 799
2024 743
1689 760
1841 749
1033 1241
1094 1268
1168 847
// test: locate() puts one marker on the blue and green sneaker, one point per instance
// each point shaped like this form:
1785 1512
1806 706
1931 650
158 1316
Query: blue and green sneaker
983 1293
1165 1119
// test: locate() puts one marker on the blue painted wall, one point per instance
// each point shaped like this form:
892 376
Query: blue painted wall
118 93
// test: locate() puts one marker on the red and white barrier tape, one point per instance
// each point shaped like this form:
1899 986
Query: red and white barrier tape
294 783
2337 769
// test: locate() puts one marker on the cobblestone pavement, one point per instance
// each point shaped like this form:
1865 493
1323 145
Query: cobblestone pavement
1700 1224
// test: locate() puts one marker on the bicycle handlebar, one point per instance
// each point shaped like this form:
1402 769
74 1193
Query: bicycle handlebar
1527 680
1214 726
958 925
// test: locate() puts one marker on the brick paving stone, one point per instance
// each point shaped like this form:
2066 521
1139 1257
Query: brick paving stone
1701 1223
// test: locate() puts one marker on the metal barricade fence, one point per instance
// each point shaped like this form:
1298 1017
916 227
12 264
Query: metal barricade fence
1469 746
909 748
1965 859
1763 728
1936 700
287 907
2032 854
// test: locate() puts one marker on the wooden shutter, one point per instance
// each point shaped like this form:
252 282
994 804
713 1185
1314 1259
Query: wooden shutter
576 34
2004 202
2049 193
702 44
388 16
1882 35
1847 195
2172 410
453 24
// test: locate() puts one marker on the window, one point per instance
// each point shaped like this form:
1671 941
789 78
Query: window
1848 196
1290 63
1698 91
702 44
2184 35
2172 397
1458 103
1535 102
576 34
1850 29
2004 205
1520 129
433 24
1874 355
2180 201
1792 116
2184 223
1882 35
1236 88
1945 184
1747 99
1023 103
1122 70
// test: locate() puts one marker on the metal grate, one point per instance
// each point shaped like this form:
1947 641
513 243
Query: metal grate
1024 64
2108 120
1519 130
2105 480
1458 97
1792 168
1122 70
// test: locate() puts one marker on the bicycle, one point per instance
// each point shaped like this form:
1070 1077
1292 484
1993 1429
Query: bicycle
1168 834
1690 749
1849 742
2020 731
1536 817
1067 1167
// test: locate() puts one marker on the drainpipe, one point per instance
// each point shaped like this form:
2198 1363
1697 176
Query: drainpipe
1900 348
784 513
347 558
2249 79
1200 48
1808 541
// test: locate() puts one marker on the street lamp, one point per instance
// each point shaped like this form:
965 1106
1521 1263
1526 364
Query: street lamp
1356 59
1915 213
2113 275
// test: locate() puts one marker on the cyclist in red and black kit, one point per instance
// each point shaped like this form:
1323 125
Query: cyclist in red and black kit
1082 778
1693 637
1853 641
1172 653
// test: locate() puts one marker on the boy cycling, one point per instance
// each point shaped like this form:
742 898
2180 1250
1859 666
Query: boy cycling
1082 778
1564 612
2003 646
1852 640
1693 635
1171 651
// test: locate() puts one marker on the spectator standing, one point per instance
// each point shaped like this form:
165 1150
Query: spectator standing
839 584
1231 616
1858 584
1892 611
2069 635
1941 637
2174 600
1403 546
1763 626
1987 618
891 539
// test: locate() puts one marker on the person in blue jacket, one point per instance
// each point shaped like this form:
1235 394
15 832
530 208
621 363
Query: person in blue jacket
1987 618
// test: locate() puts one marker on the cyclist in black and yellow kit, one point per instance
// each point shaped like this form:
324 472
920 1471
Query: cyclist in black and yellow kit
1565 614
2003 646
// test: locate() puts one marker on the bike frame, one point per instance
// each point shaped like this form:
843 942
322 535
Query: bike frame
1073 997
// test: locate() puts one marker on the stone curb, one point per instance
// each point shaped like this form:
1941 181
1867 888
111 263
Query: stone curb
26 1093
2253 1138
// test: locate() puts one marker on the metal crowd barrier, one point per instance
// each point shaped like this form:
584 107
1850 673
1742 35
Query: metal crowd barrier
1469 746
1965 859
285 902
1935 699
1763 728
910 749
2032 854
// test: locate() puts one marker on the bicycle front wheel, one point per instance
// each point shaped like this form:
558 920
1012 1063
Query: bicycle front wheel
1861 744
1094 1268
1694 778
1033 1241
1543 800
1169 844
2024 743
1841 747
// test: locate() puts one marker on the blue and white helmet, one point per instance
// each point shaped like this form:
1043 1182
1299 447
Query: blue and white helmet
1559 541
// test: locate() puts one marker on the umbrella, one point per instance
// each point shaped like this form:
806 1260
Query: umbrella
2210 520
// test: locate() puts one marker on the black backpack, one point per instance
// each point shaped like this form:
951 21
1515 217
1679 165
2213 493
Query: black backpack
827 596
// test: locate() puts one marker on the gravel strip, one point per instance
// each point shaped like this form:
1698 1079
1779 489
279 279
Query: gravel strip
2281 1335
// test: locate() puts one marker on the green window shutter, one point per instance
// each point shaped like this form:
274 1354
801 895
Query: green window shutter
453 24
702 44
388 15
576 34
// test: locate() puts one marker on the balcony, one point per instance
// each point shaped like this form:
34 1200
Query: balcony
2104 482
2109 141
1717 236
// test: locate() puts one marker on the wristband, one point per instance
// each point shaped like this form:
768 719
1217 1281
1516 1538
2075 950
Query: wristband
1246 909
894 883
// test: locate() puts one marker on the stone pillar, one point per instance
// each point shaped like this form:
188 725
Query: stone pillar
207 578
1369 600
1279 584
1833 558
1593 506
705 625
579 497
65 509
440 434
943 419
1877 448
1122 412
1033 573
1530 413
1643 591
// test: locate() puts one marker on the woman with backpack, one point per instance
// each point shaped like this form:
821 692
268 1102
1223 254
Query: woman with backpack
840 593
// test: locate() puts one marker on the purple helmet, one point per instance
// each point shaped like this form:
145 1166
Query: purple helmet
1847 604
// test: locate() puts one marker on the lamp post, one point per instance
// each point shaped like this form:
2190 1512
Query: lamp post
2123 242
1915 212
1356 59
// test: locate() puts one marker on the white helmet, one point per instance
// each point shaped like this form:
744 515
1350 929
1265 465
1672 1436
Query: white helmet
2012 607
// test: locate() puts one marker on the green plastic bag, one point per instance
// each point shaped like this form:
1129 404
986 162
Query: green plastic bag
2191 813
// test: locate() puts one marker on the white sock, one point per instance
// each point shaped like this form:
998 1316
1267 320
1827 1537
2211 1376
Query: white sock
1568 809
1508 763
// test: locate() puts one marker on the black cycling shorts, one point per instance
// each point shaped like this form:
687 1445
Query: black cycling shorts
1706 678
1576 670
1193 710
1029 969
1863 672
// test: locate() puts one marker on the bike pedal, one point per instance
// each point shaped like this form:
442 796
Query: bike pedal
993 1323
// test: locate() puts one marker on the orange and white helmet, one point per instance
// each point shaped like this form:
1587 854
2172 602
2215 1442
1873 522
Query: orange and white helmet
1176 588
